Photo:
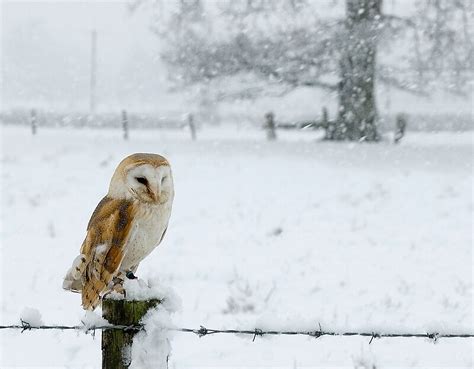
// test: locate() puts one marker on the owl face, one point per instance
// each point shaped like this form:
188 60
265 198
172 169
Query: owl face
150 184
143 177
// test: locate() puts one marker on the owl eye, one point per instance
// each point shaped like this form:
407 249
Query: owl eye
142 180
163 180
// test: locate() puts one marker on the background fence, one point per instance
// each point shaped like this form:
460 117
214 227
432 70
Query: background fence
49 118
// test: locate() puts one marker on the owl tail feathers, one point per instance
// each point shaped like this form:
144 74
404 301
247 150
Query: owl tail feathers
73 279
91 293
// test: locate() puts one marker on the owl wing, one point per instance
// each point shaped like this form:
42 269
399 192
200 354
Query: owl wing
108 233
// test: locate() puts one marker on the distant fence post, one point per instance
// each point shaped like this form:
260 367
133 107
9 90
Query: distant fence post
324 118
34 123
329 126
117 344
400 126
270 126
192 127
125 124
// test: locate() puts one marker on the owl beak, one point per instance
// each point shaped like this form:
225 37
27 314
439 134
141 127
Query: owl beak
153 195
156 194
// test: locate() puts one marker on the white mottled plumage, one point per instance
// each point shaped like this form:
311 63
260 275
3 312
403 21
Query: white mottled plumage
126 226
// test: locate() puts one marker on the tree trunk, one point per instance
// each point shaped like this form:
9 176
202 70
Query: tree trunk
357 118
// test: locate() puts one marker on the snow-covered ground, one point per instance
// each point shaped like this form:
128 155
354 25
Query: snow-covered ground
287 234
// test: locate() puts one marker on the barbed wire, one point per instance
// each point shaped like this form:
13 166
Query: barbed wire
203 331
319 333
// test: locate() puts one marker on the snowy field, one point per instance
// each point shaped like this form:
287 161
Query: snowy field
270 235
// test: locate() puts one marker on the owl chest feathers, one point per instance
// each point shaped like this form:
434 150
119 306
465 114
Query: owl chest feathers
149 225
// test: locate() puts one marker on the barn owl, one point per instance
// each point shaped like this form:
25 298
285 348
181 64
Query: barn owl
127 224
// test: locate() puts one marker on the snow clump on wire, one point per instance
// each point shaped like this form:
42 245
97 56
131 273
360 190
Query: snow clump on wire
32 317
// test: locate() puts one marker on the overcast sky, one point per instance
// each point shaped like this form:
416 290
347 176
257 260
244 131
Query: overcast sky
45 52
46 55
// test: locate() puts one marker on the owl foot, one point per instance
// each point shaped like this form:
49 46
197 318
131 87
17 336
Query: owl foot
117 288
130 275
115 291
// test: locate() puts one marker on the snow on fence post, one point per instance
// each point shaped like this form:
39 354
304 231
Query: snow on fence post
34 121
270 126
125 124
117 344
192 127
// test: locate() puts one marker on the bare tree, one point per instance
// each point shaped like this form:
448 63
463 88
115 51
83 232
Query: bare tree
287 44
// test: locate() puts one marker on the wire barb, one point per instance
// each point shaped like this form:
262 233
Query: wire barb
202 331
25 326
258 332
433 336
374 335
317 334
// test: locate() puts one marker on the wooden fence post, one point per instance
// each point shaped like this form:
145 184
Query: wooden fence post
270 126
325 118
34 123
400 126
125 124
329 126
192 127
117 344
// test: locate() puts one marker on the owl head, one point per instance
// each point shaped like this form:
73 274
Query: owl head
143 177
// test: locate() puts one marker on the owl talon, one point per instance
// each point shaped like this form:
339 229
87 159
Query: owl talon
117 287
130 275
